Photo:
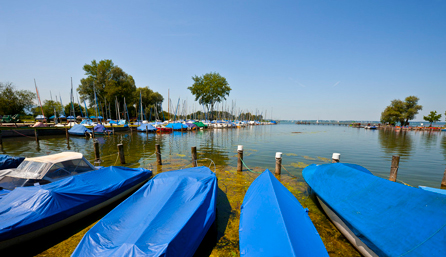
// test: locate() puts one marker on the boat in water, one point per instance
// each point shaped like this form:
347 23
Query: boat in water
29 211
168 216
146 128
380 217
79 130
274 223
9 162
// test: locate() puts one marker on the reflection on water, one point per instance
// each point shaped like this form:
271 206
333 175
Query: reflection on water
396 143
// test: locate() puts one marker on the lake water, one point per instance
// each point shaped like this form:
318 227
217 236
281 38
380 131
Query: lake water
422 162
422 154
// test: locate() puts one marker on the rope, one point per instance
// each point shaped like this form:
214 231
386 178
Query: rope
289 174
249 168
21 133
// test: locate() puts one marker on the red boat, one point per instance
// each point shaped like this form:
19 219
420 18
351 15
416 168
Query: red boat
164 130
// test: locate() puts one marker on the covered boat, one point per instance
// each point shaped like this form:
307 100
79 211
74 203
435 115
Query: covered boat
8 162
79 130
191 126
273 223
168 216
101 130
176 126
380 217
29 212
146 127
200 124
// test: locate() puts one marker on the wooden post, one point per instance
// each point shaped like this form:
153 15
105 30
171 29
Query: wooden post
1 142
92 131
240 158
67 134
121 153
97 158
194 155
278 163
158 154
147 131
443 182
113 129
335 158
394 167
36 134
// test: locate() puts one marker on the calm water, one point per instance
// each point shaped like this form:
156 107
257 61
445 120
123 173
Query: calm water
422 162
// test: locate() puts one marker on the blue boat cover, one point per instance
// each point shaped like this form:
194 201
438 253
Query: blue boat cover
436 190
143 128
78 130
27 209
168 216
176 126
8 162
191 125
392 219
99 128
273 223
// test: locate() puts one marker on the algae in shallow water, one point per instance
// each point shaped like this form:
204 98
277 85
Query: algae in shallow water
291 154
300 165
309 158
324 159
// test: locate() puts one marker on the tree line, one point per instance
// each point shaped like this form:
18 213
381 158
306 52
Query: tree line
403 111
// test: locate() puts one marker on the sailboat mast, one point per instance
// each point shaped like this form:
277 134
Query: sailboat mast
38 97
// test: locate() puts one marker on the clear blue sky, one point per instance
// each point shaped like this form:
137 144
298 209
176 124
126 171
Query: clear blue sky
304 59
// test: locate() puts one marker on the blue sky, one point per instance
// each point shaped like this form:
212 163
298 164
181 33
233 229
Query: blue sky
340 60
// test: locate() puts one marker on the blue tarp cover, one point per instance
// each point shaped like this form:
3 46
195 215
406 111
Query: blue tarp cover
391 218
26 209
100 128
78 130
436 190
8 162
273 223
168 216
176 126
149 127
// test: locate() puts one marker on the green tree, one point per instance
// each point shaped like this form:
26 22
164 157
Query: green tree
110 83
401 111
77 110
48 108
209 89
432 117
149 98
14 101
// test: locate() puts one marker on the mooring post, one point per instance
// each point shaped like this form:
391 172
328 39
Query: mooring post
194 155
158 154
240 157
335 158
97 157
67 134
278 163
394 167
443 182
121 153
113 129
36 134
147 131
1 141
92 131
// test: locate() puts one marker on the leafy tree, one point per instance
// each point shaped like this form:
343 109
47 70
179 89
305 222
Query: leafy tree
210 89
432 117
401 111
14 101
48 108
149 98
77 110
110 83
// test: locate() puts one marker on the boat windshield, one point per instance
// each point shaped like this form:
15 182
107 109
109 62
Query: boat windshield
50 171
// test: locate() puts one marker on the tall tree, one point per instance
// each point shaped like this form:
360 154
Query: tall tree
401 111
432 117
109 81
149 98
48 107
14 101
209 89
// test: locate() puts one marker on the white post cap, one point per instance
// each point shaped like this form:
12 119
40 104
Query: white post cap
336 156
278 155
240 148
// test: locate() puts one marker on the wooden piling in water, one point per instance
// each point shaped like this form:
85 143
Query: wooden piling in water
121 153
394 167
335 158
240 157
1 141
36 134
158 155
97 157
147 131
67 134
443 182
278 163
194 155
92 131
